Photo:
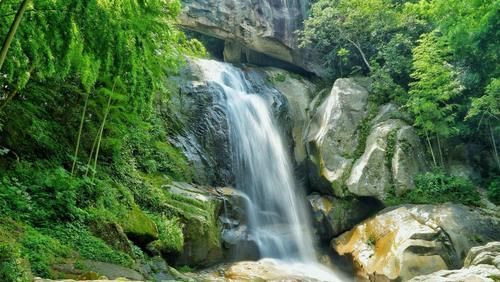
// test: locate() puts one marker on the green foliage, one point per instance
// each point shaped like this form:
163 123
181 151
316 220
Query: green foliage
171 238
373 37
41 251
435 87
438 187
391 147
277 77
78 238
487 105
494 190
13 268
40 193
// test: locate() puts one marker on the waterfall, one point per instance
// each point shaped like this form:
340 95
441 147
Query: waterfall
276 211
276 216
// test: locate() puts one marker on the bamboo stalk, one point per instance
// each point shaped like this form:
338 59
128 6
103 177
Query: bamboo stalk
493 142
75 157
12 31
101 131
430 147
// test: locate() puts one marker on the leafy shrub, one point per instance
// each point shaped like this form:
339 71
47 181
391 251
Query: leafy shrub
88 246
42 251
438 187
494 190
14 198
171 238
40 193
13 268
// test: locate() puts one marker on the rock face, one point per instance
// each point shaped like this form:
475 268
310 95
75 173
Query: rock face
298 92
204 137
254 31
353 150
482 264
214 225
333 216
392 157
198 209
411 240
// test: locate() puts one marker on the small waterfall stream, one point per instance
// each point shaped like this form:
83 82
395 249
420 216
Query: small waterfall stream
276 211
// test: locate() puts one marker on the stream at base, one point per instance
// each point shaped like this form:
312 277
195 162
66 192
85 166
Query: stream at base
276 212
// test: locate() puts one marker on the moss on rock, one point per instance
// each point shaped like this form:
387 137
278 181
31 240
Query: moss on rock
139 228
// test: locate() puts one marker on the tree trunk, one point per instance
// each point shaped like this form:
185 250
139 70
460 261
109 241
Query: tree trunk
91 153
494 145
101 131
75 157
440 151
430 147
12 31
361 53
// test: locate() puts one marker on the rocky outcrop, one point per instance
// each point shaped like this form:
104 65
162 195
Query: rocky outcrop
333 216
298 92
139 228
334 134
253 31
411 240
198 208
355 149
482 264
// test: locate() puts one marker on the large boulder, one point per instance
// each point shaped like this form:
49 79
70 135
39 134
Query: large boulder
482 264
402 242
355 148
139 228
333 134
393 156
198 208
253 31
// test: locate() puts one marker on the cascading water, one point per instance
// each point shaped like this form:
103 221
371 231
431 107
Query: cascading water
276 214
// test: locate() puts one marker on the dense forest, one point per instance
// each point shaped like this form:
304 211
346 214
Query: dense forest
86 113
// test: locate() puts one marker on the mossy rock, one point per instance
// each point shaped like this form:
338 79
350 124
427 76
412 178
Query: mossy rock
112 233
139 228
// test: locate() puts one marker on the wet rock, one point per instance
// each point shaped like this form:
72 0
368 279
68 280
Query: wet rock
204 130
333 216
333 135
298 91
155 269
403 242
482 264
255 32
271 270
198 208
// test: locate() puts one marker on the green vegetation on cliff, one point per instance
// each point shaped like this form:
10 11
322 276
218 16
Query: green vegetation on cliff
84 113
437 60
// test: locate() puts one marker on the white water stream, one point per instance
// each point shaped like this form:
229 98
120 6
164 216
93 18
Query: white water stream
276 212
